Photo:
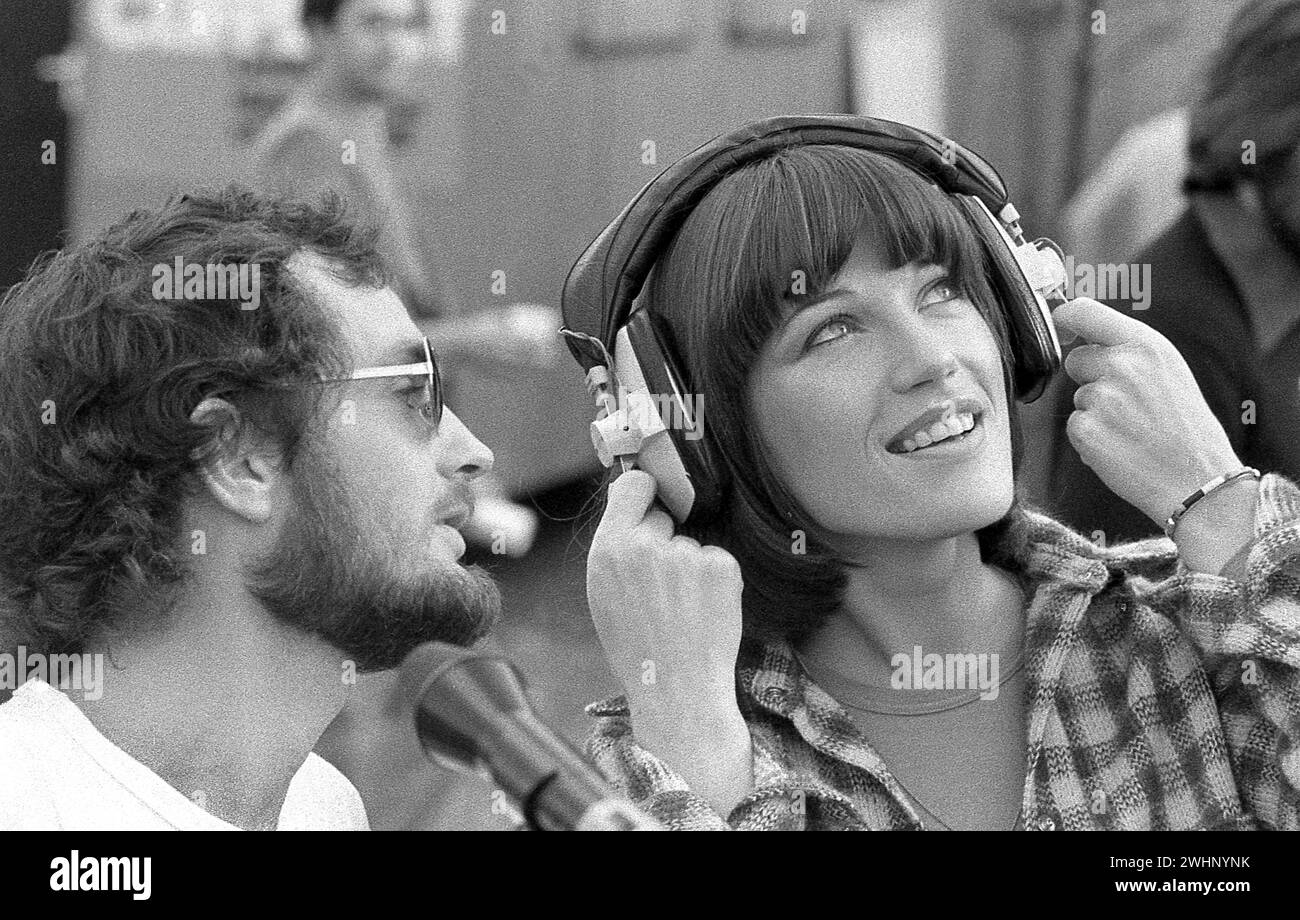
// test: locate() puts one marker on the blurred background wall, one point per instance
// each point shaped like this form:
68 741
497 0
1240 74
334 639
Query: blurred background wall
166 92
520 146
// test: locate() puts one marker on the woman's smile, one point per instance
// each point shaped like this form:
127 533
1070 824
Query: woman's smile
951 418
965 445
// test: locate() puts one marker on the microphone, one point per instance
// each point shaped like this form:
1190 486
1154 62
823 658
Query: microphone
472 713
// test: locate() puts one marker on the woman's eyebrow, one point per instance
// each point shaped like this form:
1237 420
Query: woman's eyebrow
808 303
930 273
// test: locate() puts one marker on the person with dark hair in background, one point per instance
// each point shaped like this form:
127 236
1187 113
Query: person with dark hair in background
334 132
239 501
778 658
1225 278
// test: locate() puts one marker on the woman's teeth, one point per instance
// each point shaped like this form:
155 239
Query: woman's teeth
950 427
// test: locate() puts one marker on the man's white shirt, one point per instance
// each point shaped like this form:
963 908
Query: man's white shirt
58 772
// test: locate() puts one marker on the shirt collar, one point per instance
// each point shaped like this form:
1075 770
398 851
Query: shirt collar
1266 276
1055 554
1063 571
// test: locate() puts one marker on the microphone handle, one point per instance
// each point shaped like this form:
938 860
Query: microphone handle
571 803
574 796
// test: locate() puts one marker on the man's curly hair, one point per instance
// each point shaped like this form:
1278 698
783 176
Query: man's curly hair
98 379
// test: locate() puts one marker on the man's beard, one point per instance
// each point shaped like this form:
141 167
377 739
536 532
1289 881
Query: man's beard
326 578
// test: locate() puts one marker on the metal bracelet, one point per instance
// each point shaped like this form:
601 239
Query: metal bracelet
1203 491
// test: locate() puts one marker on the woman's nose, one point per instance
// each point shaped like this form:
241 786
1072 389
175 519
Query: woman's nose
924 358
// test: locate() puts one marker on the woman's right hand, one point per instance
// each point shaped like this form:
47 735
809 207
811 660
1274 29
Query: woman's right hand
667 609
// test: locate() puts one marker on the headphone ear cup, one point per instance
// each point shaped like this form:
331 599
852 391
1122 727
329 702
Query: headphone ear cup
664 379
1035 357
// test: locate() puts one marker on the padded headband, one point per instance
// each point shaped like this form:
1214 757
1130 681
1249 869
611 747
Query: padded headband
605 280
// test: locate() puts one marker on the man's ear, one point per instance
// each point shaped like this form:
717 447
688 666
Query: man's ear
237 466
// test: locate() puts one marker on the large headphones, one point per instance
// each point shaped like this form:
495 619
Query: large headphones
653 419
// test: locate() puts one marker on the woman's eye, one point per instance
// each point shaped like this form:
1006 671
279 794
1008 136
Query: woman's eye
942 291
829 331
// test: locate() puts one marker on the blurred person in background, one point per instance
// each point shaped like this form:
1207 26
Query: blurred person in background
1135 193
1225 277
334 132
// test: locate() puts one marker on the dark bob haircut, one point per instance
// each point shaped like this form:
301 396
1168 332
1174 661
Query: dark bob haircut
722 287
98 378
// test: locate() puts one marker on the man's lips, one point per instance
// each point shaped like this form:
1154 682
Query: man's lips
457 516
456 506
949 412
453 537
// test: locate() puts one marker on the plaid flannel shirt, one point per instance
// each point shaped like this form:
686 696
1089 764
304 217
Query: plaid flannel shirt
1158 698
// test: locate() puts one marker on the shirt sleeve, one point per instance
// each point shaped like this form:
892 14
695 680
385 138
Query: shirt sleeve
25 803
780 801
1247 631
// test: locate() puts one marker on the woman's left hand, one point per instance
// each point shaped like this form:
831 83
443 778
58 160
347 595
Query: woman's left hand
1140 420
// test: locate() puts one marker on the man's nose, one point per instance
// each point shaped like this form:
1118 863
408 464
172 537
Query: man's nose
460 454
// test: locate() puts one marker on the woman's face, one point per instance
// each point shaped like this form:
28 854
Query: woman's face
883 408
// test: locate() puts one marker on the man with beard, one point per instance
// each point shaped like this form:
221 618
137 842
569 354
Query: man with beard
1225 277
239 502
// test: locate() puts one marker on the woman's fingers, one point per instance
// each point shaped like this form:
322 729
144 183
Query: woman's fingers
1140 420
1097 323
1085 397
1085 363
628 499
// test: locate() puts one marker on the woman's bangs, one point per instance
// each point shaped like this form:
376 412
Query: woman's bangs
815 204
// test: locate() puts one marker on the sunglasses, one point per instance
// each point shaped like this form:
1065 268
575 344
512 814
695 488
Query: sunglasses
431 403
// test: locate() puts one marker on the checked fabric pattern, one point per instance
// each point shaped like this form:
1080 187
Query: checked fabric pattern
1159 699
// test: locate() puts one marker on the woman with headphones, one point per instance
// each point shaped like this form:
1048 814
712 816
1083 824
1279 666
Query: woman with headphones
854 622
